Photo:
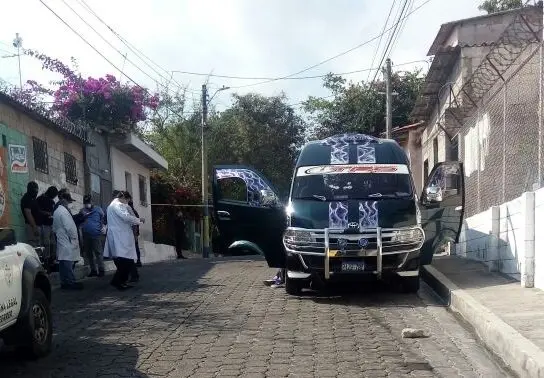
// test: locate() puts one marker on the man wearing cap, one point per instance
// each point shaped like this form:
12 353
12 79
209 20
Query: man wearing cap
67 236
92 229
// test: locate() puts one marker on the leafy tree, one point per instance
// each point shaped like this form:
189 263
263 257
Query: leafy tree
263 132
260 131
494 6
360 107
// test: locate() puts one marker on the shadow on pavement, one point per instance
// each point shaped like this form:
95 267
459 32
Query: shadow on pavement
79 357
100 331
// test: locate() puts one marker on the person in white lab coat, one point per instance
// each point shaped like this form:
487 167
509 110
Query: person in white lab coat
120 244
66 234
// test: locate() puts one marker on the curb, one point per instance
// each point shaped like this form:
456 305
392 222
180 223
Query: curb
517 352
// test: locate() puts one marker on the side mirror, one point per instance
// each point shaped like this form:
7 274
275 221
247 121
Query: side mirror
7 237
432 194
268 198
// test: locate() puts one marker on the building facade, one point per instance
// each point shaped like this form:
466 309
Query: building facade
37 148
480 104
132 161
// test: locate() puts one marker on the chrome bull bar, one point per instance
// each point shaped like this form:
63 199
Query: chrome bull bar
377 232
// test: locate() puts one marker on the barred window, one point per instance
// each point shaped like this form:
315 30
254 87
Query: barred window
40 155
70 168
143 190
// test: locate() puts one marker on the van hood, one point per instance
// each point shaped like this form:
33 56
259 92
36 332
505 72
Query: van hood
385 213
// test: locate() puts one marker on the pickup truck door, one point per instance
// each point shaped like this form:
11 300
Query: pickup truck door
248 212
10 279
442 205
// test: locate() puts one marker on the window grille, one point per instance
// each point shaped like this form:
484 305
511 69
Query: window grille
40 155
70 168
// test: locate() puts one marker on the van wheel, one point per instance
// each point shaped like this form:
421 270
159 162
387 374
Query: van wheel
409 284
36 328
292 286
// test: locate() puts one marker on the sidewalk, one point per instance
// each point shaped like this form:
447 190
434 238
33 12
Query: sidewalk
507 317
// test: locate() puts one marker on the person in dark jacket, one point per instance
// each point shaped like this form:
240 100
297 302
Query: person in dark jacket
46 206
134 275
92 230
180 233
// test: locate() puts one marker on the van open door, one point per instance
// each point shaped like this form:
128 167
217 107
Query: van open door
442 205
248 213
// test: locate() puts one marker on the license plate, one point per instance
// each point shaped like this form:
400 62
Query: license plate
353 266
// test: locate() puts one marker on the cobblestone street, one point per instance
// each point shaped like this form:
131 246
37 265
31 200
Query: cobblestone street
199 318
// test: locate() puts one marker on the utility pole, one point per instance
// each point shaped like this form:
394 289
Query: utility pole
205 208
18 43
388 99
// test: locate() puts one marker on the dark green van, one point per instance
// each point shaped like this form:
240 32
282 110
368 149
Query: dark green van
352 213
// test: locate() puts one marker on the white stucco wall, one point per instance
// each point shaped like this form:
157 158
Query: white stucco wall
539 239
121 163
507 238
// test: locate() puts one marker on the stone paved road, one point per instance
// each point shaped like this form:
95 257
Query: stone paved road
204 319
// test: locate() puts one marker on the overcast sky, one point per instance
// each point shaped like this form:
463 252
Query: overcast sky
250 38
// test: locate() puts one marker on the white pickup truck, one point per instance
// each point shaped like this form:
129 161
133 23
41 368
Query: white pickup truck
25 298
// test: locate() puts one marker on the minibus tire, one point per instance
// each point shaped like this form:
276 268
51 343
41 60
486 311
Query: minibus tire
409 284
292 286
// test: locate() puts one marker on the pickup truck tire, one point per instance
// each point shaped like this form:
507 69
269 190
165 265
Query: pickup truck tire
36 328
292 286
409 284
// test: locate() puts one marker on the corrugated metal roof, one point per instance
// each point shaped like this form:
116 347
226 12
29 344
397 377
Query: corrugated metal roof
446 29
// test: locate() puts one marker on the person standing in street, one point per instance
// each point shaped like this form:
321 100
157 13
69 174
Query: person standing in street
180 233
29 208
92 236
134 275
120 244
66 233
46 207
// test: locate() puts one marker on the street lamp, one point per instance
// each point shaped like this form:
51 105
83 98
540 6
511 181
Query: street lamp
205 205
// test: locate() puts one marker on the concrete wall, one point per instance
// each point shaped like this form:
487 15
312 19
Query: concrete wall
18 128
98 175
121 163
507 238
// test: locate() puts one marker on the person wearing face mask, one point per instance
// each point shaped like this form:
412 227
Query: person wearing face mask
67 236
92 236
120 243
31 215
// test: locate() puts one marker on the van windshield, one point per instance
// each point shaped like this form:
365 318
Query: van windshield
350 185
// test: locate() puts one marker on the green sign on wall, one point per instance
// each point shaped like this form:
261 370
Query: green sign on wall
13 178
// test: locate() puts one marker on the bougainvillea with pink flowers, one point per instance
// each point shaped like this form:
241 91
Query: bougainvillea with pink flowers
104 102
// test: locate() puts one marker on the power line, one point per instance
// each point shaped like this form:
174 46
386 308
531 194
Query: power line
401 29
117 50
333 57
130 46
272 78
381 36
97 51
391 36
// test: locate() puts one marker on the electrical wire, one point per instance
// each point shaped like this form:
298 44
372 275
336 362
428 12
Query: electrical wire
381 36
138 52
401 29
391 36
124 55
129 45
97 51
335 56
